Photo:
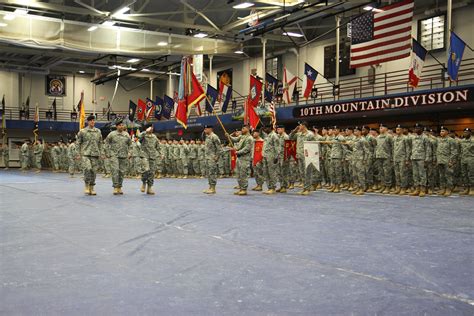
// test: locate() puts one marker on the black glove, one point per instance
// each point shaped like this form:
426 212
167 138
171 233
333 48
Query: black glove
275 161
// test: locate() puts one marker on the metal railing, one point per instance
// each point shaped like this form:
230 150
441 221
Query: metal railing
433 77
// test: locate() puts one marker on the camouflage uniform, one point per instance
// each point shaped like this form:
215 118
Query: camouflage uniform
6 157
119 144
24 151
72 154
271 153
467 162
135 160
211 152
401 156
183 159
149 153
359 157
202 160
38 151
244 158
284 172
383 154
446 155
56 154
89 142
337 156
420 157
193 161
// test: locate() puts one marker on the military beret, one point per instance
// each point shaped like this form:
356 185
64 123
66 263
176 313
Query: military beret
418 125
280 126
91 117
245 125
467 129
335 127
365 127
426 129
373 129
357 128
304 123
349 128
208 126
399 126
146 126
383 125
444 129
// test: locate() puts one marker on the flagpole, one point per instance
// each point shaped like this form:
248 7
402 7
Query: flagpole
219 120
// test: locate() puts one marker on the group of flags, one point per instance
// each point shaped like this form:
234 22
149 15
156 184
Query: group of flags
148 109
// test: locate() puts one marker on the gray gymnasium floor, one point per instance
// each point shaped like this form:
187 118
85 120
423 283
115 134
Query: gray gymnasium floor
183 253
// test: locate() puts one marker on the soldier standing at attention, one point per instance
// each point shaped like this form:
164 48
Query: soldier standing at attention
25 152
89 142
183 158
38 152
383 154
420 157
149 153
467 162
211 151
446 155
119 143
284 172
244 158
270 153
193 162
72 154
401 156
337 156
6 156
359 158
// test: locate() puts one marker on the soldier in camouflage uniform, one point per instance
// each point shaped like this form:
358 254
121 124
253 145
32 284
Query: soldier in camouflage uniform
420 153
446 155
467 162
383 154
6 156
347 162
72 154
119 143
337 156
358 146
25 153
38 154
401 158
271 153
89 142
284 164
258 167
193 161
302 134
323 157
182 160
64 158
212 152
174 158
106 161
370 152
430 164
135 159
244 158
149 153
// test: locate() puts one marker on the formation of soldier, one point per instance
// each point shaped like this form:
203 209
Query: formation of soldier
404 161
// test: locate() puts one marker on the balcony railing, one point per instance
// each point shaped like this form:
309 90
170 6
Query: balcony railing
433 77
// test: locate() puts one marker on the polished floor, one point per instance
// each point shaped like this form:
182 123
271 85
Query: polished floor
181 252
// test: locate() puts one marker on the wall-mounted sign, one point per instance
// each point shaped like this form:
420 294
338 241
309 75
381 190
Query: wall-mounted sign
382 103
56 86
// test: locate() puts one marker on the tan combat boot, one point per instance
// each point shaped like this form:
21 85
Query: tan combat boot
242 192
403 191
143 187
150 190
237 187
116 191
304 192
211 190
430 191
269 192
92 190
87 189
291 186
471 191
337 188
360 192
465 192
380 190
257 188
386 191
396 190
416 192
448 192
282 190
441 191
422 192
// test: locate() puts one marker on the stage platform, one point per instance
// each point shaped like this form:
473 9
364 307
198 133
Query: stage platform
181 252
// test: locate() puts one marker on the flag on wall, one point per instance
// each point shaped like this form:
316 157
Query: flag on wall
190 93
418 56
289 83
82 112
271 84
159 105
225 94
132 109
311 75
150 109
382 35
456 50
168 107
211 97
141 110
257 152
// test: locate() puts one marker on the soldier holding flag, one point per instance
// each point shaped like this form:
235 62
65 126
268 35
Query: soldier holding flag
212 151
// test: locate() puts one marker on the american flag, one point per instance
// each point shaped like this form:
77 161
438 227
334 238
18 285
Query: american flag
382 35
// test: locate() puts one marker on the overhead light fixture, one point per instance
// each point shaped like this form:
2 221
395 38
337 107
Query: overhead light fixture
21 11
108 23
3 24
146 70
81 71
371 8
133 60
92 28
200 35
243 5
282 17
121 11
238 51
292 34
162 44
9 17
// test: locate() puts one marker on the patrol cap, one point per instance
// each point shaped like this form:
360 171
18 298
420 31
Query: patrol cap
315 127
91 117
118 121
373 129
467 129
324 128
444 129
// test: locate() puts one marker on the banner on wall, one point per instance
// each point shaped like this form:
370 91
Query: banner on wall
55 85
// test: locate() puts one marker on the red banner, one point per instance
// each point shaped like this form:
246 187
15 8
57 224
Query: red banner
233 159
290 149
141 110
257 152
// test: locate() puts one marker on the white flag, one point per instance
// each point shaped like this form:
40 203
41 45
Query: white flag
289 82
311 154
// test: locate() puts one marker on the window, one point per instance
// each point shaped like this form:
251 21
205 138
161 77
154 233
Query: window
431 32
272 66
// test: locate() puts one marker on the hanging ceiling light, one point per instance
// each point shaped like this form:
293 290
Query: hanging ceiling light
243 5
